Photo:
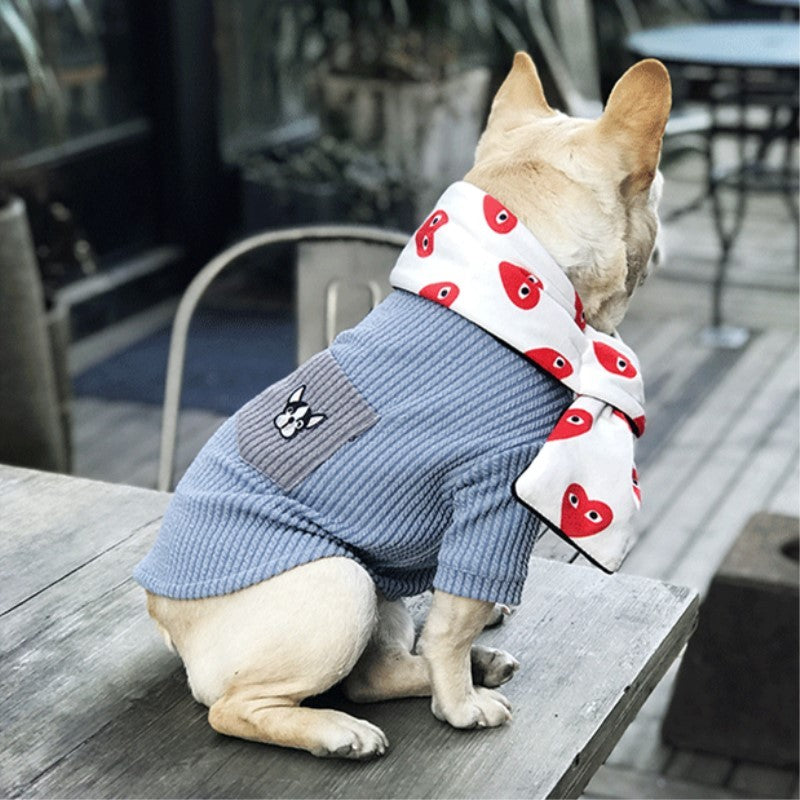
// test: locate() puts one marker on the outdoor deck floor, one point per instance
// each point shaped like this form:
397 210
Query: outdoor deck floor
722 443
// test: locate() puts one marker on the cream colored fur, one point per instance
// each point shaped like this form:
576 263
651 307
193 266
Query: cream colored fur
588 189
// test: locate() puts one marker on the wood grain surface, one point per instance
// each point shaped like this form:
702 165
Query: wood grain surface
95 706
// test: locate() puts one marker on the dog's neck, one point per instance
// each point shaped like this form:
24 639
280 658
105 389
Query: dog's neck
517 188
550 206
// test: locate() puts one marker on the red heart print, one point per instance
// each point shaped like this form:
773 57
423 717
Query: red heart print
573 422
580 317
613 360
444 293
424 236
550 361
522 287
498 217
636 488
581 516
640 423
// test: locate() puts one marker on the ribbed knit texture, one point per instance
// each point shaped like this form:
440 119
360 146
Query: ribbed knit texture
420 498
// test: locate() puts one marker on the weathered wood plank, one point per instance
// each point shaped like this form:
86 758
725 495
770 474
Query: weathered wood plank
72 678
725 486
41 542
76 589
666 296
679 390
744 491
93 419
656 705
555 548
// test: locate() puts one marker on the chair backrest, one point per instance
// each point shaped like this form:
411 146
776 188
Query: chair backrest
565 40
338 284
573 28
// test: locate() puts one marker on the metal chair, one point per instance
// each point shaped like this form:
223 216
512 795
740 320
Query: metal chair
331 282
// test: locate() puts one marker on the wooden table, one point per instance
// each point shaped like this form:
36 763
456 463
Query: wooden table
93 705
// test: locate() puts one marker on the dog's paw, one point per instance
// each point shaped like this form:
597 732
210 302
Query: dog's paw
492 667
498 615
348 737
483 708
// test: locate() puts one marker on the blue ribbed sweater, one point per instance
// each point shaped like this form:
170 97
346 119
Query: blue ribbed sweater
427 422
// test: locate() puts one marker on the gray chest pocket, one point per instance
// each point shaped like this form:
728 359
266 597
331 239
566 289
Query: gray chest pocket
295 425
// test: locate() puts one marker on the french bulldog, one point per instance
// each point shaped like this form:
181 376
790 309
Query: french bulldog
588 190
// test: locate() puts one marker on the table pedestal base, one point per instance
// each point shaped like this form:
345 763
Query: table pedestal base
726 337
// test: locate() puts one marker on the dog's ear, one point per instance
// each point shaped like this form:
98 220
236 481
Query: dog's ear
520 95
635 117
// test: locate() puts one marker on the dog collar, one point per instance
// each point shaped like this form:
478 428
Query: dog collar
473 256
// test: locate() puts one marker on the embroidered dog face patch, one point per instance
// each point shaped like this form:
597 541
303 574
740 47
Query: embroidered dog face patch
297 424
296 416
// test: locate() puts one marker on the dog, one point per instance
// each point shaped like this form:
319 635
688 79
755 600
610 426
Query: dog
588 191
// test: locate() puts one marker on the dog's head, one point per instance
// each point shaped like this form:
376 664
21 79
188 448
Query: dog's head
588 189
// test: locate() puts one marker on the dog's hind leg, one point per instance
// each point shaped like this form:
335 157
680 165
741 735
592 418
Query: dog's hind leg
388 669
254 655
245 712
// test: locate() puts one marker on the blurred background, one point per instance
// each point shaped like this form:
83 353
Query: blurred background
138 139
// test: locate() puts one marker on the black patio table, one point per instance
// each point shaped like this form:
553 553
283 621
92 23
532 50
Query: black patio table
743 65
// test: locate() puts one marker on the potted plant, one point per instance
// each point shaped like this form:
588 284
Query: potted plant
352 108
408 80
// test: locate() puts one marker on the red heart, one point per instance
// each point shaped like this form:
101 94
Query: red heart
444 293
522 287
640 423
424 236
499 218
580 318
636 488
573 422
613 360
581 516
550 361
